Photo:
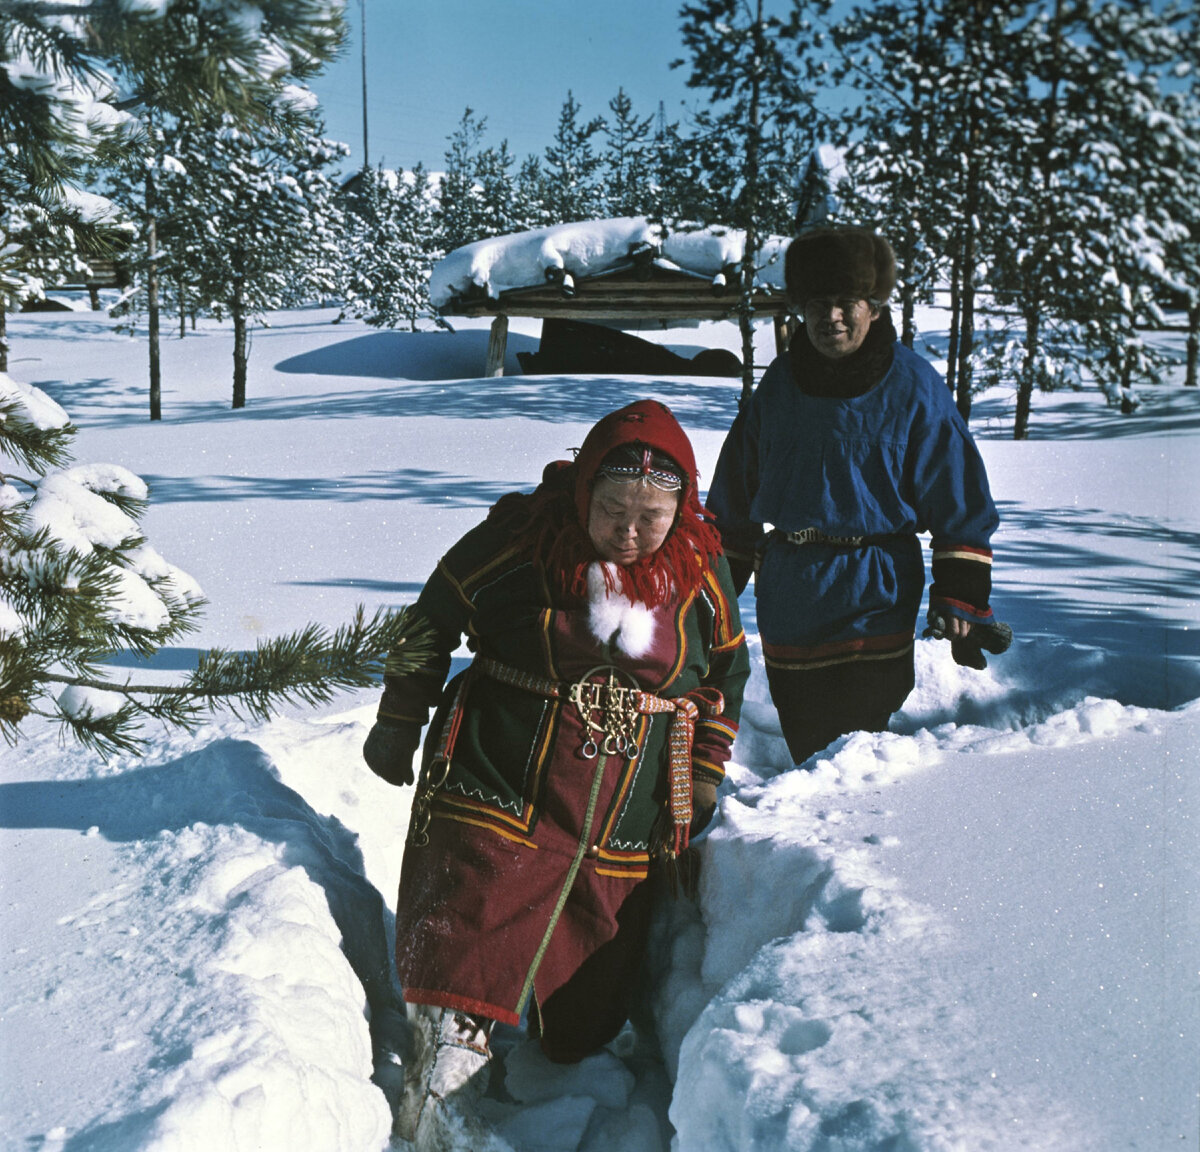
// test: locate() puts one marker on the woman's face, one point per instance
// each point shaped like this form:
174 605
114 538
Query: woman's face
838 327
627 522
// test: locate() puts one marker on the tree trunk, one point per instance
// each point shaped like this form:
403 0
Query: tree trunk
1038 282
750 251
955 316
182 309
746 325
241 353
966 329
1025 388
1193 345
908 310
966 334
152 317
3 334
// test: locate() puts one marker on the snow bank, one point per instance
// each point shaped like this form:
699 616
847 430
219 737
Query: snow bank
233 962
816 1002
977 931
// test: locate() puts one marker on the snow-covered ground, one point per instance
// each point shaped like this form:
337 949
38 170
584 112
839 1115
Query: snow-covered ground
978 931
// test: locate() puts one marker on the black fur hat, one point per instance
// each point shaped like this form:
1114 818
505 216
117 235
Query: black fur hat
829 262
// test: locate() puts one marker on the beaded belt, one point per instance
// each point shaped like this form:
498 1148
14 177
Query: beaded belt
609 711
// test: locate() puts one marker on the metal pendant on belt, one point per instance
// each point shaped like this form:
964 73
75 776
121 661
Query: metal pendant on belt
608 712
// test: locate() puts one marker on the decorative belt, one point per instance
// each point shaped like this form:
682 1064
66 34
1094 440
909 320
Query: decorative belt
609 711
816 536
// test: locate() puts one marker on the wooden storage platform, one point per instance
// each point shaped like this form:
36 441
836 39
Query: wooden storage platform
637 292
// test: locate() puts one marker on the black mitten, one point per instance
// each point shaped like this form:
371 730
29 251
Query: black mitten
389 751
704 804
968 650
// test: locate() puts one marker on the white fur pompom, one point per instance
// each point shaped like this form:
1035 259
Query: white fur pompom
616 620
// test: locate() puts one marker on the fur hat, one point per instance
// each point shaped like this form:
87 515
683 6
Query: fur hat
830 262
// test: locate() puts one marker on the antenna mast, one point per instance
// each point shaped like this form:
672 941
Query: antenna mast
362 11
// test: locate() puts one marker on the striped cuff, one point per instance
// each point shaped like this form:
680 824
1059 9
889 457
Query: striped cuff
962 580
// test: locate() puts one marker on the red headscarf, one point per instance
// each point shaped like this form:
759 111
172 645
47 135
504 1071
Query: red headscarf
554 518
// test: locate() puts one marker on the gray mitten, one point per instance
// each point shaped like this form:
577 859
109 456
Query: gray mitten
389 751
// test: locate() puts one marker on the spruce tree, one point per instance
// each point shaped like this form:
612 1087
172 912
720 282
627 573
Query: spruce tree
79 581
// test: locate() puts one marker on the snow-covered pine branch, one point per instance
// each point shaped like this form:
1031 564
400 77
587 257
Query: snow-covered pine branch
79 581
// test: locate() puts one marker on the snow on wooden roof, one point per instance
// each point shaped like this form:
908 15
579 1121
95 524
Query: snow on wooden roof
614 268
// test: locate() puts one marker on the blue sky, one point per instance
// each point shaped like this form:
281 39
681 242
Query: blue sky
512 61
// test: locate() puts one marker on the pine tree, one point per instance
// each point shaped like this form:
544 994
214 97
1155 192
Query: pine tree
391 243
531 195
458 209
79 581
762 74
181 57
572 172
925 151
1086 110
37 244
499 209
1142 171
677 191
1178 193
628 159
1033 143
57 112
478 195
253 218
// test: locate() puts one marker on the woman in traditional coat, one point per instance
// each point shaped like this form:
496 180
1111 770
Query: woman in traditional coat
581 747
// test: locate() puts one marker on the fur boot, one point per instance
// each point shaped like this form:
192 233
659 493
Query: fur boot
446 1077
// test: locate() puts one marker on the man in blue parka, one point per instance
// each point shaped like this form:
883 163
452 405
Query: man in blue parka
850 446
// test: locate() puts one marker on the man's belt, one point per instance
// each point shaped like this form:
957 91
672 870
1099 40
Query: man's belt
609 712
816 536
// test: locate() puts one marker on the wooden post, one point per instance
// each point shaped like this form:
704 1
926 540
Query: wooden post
497 345
783 333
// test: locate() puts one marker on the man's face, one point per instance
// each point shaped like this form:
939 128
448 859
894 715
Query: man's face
838 326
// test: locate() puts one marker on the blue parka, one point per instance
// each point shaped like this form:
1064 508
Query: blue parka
886 465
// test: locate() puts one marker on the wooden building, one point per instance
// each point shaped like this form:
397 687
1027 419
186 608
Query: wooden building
642 288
